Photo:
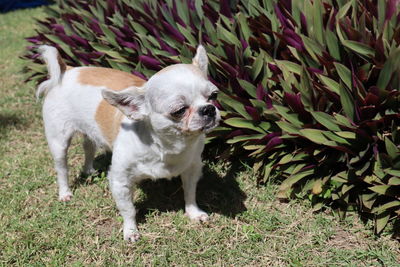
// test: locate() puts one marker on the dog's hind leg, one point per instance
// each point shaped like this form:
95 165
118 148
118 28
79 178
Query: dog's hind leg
59 137
90 150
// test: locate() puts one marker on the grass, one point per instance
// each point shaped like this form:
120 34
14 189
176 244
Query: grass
248 226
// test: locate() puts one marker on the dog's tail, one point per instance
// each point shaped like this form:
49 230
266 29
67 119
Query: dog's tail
55 66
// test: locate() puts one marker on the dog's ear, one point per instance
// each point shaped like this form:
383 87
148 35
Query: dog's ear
201 60
130 101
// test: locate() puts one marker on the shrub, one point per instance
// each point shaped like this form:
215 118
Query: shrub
309 88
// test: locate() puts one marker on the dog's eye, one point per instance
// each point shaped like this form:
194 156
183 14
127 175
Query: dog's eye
213 96
179 112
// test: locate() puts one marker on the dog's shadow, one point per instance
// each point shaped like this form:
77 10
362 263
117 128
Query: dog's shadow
8 121
215 193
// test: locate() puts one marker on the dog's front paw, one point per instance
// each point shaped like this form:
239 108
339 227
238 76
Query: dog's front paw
197 215
65 197
132 236
88 171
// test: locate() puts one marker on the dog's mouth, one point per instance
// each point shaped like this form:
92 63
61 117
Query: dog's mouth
206 128
210 125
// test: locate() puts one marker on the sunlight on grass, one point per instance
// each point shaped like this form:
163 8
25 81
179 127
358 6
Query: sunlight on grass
248 226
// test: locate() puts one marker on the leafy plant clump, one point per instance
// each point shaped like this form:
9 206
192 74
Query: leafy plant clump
310 89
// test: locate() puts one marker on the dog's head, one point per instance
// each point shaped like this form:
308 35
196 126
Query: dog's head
176 100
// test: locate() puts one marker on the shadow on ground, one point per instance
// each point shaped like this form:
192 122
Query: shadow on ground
8 121
215 194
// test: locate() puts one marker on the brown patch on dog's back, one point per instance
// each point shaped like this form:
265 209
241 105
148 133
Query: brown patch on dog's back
107 116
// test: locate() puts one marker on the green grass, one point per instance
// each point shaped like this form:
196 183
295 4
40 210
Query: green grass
248 226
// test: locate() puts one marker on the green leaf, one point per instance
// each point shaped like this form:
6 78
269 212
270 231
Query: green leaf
391 148
244 138
318 22
286 184
344 73
381 189
285 159
291 117
344 9
347 135
342 120
188 35
332 43
390 66
381 221
393 172
257 65
199 8
335 138
231 104
347 102
248 87
331 84
312 47
359 48
326 120
243 123
386 206
394 181
242 19
288 127
317 136
306 90
110 36
291 66
227 35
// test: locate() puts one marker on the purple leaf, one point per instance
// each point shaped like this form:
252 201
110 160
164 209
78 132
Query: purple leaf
268 137
94 25
292 42
117 32
235 133
303 22
139 74
275 141
66 39
80 40
175 33
314 70
260 92
244 43
126 44
150 62
175 14
294 102
274 68
390 8
253 112
280 16
224 8
228 68
58 28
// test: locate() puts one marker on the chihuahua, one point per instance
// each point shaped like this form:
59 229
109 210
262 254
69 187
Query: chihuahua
155 129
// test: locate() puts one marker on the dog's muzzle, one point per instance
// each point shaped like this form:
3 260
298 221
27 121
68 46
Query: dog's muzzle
208 113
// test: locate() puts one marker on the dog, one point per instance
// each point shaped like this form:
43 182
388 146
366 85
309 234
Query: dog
155 129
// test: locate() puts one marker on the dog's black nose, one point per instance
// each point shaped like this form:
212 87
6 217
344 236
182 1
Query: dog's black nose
208 110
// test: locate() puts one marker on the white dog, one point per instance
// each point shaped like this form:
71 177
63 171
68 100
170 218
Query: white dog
155 129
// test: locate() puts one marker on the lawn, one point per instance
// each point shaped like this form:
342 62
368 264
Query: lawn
248 227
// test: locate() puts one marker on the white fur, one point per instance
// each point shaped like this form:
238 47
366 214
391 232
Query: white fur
154 145
49 54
